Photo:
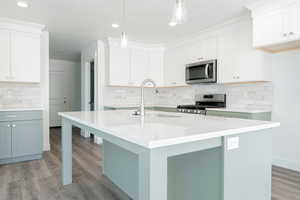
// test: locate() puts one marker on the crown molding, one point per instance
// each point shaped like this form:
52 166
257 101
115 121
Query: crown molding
17 25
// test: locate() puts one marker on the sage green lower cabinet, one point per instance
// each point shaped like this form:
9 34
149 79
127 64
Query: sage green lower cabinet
265 116
5 140
21 136
26 138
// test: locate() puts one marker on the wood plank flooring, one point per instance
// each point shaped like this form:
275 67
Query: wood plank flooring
41 179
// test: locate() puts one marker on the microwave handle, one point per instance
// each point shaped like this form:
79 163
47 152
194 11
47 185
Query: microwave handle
206 70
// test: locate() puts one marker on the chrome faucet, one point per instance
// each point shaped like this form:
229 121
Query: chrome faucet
141 110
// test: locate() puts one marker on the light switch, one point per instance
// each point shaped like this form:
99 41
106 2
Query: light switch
233 143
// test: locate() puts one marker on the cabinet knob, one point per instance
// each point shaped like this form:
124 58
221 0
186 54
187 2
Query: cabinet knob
13 125
291 33
8 125
174 83
284 35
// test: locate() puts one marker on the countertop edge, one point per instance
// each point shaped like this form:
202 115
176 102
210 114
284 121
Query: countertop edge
20 109
186 139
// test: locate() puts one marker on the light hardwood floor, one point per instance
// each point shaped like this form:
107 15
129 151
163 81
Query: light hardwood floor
40 179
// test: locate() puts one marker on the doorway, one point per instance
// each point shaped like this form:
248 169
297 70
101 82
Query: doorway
92 86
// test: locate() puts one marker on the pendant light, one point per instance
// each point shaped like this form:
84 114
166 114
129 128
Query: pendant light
124 41
179 12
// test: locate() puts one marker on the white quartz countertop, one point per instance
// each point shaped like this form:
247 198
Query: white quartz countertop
137 105
3 109
158 129
241 110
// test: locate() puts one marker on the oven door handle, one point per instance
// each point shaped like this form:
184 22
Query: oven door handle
206 70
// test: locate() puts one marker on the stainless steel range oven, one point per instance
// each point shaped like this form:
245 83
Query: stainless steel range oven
203 102
201 72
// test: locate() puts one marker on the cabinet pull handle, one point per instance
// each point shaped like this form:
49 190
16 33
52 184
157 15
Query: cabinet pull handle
291 33
284 35
13 125
8 125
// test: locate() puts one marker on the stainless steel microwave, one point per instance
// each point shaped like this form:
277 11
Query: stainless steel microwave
201 72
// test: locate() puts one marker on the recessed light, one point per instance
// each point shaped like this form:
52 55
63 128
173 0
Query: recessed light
115 25
172 24
22 4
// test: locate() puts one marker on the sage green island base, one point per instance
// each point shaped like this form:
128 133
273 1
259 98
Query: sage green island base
177 156
201 172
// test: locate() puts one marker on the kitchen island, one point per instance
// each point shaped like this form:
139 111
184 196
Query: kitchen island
178 156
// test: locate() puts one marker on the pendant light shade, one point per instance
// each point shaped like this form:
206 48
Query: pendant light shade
179 12
124 41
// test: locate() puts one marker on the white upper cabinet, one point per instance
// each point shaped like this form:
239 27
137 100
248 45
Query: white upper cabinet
156 64
268 29
5 72
294 16
119 62
276 25
139 65
25 57
130 66
174 66
200 50
20 52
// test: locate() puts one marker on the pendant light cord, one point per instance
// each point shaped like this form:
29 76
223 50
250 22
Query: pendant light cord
124 16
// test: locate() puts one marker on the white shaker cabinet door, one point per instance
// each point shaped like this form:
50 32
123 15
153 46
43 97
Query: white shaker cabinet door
294 25
269 29
210 48
119 70
25 57
4 55
155 71
174 69
139 65
227 54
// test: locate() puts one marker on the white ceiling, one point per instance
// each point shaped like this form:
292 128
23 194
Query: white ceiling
74 24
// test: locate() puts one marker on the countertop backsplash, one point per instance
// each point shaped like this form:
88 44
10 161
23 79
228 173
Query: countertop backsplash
20 95
252 95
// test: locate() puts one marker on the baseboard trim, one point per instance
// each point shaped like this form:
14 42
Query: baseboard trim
292 165
21 159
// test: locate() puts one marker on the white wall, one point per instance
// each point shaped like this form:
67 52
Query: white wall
286 109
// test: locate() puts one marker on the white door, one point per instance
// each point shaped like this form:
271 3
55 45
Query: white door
25 55
269 29
4 55
58 96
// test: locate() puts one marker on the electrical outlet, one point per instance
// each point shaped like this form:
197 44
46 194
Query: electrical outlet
233 143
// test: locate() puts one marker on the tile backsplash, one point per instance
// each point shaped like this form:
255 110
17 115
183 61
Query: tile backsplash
20 95
252 95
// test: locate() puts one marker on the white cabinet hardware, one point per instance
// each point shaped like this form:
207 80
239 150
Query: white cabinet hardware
8 125
13 125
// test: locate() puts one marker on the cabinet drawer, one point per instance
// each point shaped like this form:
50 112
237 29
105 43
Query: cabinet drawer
20 115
